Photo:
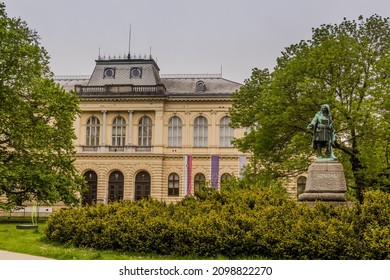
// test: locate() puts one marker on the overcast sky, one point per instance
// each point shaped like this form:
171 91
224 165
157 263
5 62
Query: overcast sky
186 36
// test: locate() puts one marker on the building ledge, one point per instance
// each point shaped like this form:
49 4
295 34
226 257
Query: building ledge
119 90
114 149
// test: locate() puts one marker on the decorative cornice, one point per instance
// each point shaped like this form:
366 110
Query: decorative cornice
119 156
181 100
116 99
211 99
148 156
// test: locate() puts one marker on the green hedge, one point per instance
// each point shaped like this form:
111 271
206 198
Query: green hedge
234 223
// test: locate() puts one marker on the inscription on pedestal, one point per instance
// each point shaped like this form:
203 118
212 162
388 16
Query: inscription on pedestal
325 181
327 176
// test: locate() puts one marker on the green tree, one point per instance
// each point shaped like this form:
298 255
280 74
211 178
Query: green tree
36 123
346 66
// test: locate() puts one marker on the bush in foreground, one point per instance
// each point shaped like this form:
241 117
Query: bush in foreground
234 223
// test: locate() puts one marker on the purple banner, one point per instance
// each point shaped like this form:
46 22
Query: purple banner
215 171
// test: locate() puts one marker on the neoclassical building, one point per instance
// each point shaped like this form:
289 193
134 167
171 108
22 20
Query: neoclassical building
144 134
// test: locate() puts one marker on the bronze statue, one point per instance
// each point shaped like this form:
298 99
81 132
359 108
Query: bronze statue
323 134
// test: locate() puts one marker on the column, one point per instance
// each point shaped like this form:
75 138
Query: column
130 137
188 134
104 128
158 132
213 132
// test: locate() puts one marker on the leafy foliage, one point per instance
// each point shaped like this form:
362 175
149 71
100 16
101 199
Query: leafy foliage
346 66
234 223
36 122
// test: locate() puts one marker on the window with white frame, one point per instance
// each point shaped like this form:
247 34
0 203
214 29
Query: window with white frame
145 131
93 132
118 131
226 134
174 132
200 132
173 184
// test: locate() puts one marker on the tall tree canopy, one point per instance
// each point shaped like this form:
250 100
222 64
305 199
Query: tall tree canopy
346 66
36 123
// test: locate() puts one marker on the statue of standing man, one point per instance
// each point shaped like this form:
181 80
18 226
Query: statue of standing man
323 134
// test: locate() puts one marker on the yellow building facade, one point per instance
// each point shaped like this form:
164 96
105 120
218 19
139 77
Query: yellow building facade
141 134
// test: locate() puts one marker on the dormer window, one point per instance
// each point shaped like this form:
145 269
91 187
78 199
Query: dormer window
200 86
136 73
109 73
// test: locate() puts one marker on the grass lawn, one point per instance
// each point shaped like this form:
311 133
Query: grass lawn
34 242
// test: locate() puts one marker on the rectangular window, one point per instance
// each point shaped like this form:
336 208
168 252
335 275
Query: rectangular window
173 185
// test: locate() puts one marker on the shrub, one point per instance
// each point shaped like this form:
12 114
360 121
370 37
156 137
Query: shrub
234 223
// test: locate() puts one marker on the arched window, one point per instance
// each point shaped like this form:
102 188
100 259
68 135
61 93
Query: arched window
225 177
118 131
90 196
115 186
200 132
200 86
226 133
145 132
142 185
199 181
174 132
173 184
301 184
93 132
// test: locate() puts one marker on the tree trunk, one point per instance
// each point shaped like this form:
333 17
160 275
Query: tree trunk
360 180
357 168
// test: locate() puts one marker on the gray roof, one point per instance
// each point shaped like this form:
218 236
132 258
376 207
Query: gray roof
69 82
174 86
122 68
149 83
188 85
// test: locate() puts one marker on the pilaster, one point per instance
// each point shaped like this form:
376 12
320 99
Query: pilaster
104 127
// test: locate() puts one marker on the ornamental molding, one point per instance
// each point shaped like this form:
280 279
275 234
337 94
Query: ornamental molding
200 100
119 157
174 98
124 99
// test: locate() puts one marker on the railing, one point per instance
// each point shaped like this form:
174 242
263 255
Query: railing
143 149
115 149
191 76
90 148
119 90
72 77
87 89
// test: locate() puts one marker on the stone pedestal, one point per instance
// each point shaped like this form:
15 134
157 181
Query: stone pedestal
325 181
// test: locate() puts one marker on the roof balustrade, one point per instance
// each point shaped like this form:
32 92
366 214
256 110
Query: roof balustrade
119 90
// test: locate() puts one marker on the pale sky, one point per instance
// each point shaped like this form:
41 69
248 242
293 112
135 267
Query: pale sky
186 36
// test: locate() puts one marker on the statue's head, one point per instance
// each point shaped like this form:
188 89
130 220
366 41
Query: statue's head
325 108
